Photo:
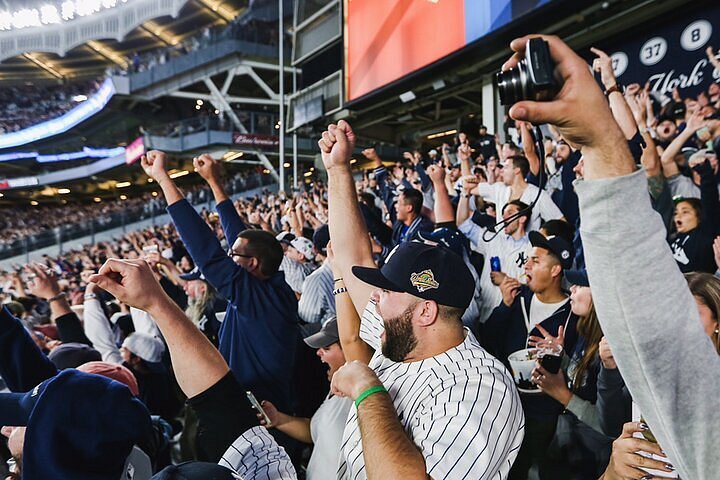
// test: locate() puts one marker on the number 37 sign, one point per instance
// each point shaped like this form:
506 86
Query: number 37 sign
671 55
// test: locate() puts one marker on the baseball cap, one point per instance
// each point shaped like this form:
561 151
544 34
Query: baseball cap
558 246
304 246
327 335
285 237
113 371
194 274
321 237
425 271
145 346
195 471
577 277
72 355
447 237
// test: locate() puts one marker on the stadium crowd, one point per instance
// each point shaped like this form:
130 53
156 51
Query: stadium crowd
26 105
482 310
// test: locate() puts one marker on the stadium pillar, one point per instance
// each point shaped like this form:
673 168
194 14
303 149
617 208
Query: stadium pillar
489 118
281 71
295 154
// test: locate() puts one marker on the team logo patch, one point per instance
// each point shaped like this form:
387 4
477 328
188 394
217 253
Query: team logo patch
424 280
565 254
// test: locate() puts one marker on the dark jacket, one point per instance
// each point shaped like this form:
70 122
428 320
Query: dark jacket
258 337
505 332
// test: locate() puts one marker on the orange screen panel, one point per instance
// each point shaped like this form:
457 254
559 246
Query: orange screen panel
387 39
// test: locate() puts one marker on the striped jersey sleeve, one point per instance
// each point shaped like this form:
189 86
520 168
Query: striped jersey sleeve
256 455
371 326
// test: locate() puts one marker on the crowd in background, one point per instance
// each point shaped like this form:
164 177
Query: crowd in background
27 105
437 359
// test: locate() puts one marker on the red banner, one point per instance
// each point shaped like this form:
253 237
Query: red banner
134 151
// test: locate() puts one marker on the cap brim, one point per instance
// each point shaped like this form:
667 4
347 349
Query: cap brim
374 277
320 340
577 277
537 239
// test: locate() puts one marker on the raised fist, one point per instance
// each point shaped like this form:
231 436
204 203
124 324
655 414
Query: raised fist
153 162
336 145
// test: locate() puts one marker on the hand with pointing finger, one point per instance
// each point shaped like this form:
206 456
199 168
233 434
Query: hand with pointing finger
131 282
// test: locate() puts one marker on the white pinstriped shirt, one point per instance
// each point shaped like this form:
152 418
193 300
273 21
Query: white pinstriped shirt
461 409
256 455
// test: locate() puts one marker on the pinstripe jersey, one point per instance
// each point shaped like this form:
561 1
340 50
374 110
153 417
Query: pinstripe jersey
256 455
317 303
460 408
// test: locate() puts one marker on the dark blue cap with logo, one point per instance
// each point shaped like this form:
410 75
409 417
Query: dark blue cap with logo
556 245
425 271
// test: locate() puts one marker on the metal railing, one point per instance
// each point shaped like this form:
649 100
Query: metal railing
123 218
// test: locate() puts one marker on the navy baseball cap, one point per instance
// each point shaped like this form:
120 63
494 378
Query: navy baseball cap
577 277
556 245
194 274
425 271
447 237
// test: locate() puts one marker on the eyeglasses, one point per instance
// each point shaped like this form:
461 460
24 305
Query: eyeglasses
232 254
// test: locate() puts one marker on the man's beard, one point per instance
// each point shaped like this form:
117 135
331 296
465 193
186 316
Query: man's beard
400 339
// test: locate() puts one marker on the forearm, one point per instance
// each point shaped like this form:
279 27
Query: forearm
349 233
611 158
667 159
295 427
387 450
443 207
585 411
463 209
170 190
58 308
348 322
529 150
218 190
623 115
197 364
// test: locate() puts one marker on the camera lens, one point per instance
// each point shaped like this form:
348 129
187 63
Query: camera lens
511 84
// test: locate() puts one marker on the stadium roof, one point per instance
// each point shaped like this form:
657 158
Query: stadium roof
92 58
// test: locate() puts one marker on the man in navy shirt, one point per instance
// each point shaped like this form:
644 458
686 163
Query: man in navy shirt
260 331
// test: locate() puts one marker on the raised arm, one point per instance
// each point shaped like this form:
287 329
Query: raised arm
348 320
347 227
619 107
204 247
529 149
97 327
443 207
210 170
197 364
642 300
670 168
22 365
463 208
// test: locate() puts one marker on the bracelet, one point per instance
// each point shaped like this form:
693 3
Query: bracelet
368 392
90 296
335 280
59 296
338 291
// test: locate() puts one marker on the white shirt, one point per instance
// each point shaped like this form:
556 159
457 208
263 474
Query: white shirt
539 311
256 455
513 256
460 408
326 429
499 194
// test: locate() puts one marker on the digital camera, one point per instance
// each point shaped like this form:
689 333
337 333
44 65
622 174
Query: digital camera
533 77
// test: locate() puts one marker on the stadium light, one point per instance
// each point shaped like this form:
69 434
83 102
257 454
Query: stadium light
181 173
122 184
63 191
49 14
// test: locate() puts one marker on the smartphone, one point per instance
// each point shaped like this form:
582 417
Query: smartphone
256 405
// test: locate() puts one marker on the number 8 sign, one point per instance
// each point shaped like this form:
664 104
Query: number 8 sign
696 35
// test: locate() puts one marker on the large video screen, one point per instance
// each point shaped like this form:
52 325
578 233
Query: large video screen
388 39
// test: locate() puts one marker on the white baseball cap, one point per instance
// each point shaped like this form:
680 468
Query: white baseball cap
304 246
145 346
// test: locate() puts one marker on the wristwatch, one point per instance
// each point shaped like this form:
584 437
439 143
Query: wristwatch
615 88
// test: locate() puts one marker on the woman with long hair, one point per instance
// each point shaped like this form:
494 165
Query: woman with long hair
580 449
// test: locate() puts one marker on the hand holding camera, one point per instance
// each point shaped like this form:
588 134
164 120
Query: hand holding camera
565 95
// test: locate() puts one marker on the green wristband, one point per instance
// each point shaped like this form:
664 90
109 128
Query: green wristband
368 392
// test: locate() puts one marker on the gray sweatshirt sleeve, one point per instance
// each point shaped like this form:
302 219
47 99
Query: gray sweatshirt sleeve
585 411
651 321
